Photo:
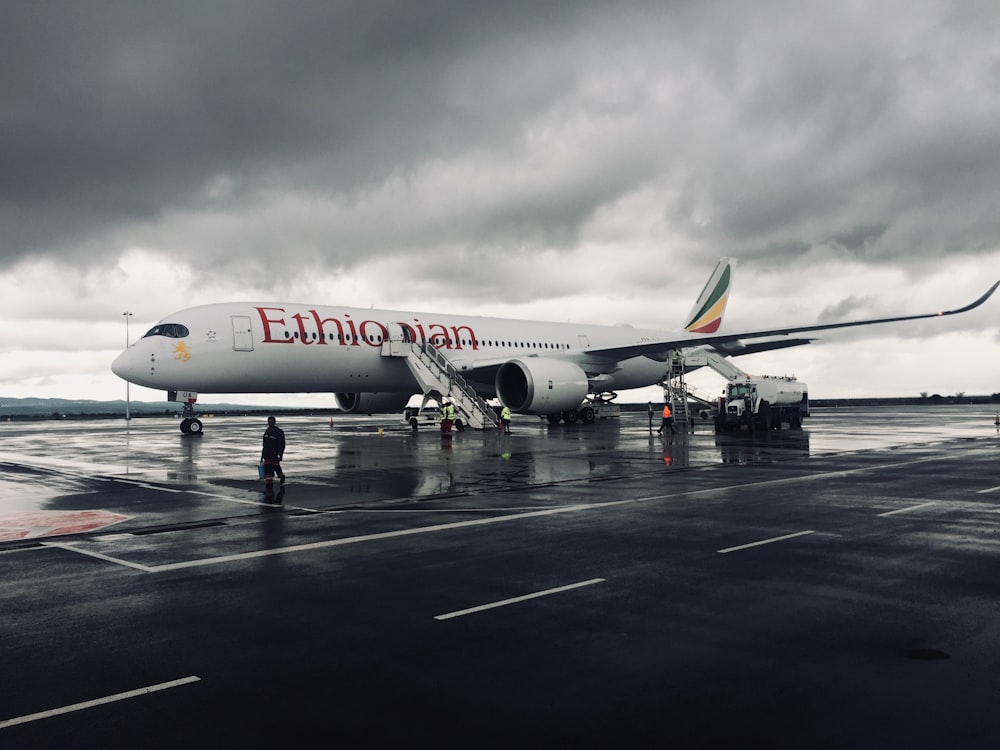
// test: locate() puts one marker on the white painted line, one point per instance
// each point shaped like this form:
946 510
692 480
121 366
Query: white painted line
99 556
16 550
316 545
146 485
764 541
98 702
356 539
786 480
988 489
516 599
905 510
228 499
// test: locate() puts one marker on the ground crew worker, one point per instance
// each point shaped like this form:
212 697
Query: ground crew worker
505 419
668 420
447 417
676 363
649 414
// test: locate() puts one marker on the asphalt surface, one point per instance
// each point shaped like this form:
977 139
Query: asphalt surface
584 586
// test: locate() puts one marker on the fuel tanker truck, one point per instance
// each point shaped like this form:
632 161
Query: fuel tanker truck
762 403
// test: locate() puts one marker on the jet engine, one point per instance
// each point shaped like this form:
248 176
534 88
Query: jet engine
541 386
371 403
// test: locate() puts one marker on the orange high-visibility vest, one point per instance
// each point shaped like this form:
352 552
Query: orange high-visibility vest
666 411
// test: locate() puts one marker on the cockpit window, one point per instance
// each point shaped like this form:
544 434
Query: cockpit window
170 330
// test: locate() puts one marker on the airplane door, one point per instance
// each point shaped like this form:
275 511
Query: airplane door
397 339
242 333
584 341
396 332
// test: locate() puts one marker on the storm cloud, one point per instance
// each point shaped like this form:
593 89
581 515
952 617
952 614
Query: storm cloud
500 158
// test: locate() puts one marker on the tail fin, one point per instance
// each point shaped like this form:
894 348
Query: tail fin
706 315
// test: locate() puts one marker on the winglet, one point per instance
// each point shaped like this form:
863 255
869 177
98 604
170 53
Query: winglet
706 315
972 305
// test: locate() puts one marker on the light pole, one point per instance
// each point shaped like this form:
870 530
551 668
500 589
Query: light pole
128 416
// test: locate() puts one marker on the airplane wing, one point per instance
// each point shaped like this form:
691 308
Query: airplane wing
720 340
738 348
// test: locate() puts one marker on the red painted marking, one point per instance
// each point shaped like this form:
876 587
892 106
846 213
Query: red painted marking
711 327
42 523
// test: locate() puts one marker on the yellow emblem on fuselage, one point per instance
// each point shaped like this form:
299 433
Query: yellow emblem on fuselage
181 351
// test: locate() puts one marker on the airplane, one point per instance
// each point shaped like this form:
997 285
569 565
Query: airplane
533 367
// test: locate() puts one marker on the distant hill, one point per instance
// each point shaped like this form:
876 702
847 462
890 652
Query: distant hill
61 408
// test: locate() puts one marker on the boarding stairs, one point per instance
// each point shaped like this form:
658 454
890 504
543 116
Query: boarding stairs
676 394
706 358
675 388
436 374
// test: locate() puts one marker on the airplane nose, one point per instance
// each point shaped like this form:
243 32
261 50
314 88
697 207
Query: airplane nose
124 365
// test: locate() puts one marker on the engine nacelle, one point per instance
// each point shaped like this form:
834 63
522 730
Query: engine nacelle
541 386
371 403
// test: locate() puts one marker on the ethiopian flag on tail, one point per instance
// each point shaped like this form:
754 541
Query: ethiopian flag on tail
706 315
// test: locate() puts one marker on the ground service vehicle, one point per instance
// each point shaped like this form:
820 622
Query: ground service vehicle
588 412
762 403
427 415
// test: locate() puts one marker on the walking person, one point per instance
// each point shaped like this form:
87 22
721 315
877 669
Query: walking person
272 451
505 419
649 414
668 420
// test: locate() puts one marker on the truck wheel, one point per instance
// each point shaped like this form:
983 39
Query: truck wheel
587 415
414 423
570 416
766 418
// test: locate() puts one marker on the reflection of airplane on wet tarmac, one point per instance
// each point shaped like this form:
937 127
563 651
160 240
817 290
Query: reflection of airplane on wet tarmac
375 360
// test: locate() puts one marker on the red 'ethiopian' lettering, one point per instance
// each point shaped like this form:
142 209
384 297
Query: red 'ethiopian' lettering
370 339
322 331
266 321
311 328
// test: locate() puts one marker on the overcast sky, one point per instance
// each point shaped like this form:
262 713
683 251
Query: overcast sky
553 160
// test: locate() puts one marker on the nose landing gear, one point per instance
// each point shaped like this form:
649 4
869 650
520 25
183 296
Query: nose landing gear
190 424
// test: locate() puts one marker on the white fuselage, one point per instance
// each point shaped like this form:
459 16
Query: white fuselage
290 348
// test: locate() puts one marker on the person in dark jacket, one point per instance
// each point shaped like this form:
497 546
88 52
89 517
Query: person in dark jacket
272 452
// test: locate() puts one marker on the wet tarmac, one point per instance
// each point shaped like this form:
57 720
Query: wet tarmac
581 585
